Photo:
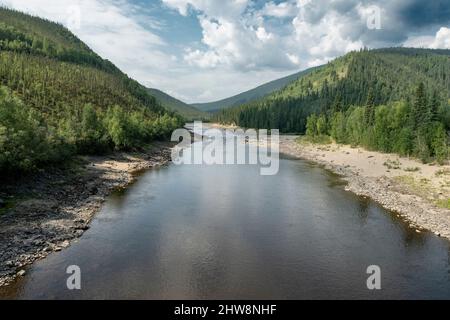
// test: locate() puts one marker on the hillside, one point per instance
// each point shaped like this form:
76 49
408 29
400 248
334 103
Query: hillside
170 103
59 98
392 100
391 74
251 95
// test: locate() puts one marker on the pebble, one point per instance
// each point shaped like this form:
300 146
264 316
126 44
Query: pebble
65 244
29 242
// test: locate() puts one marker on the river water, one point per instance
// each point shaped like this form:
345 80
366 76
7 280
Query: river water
226 232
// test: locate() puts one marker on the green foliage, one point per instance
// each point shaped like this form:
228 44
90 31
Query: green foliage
25 142
253 94
392 130
338 126
366 78
403 98
187 111
28 140
58 98
439 143
311 126
369 114
444 203
22 33
321 125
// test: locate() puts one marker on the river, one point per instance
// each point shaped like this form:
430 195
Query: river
227 232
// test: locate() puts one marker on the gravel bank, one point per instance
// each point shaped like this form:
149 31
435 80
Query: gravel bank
407 187
45 213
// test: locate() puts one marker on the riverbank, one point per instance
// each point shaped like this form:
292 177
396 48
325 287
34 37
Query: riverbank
46 212
420 193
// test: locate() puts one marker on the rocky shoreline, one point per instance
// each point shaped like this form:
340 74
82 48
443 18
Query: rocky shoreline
418 211
45 213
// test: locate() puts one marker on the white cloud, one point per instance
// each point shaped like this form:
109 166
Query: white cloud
213 8
241 46
263 35
244 40
293 58
208 59
109 28
442 39
235 37
280 10
418 41
323 40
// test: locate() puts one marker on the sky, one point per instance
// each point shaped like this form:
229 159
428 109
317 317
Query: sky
206 50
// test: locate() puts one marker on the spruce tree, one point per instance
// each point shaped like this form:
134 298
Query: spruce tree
337 105
369 114
419 110
433 108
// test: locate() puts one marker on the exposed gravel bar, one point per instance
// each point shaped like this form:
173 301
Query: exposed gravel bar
46 212
368 177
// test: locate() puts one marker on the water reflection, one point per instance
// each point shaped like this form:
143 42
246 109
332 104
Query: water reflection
219 232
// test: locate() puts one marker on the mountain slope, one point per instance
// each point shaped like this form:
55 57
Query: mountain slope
59 98
254 94
175 105
391 74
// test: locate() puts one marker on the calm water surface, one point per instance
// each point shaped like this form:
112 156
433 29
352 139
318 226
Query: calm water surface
220 232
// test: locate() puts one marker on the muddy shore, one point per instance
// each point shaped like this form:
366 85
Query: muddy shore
46 212
405 186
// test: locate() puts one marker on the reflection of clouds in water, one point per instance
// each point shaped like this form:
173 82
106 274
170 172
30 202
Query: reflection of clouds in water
223 232
220 146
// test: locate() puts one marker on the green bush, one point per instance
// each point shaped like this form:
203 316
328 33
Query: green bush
415 129
30 139
23 139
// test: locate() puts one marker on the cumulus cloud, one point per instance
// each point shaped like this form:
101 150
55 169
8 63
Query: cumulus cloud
109 27
280 10
243 43
442 39
213 8
238 36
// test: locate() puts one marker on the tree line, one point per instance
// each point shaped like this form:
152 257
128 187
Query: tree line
418 128
22 33
384 80
59 99
30 140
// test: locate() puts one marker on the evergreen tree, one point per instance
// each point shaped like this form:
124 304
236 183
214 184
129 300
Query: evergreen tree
337 105
56 97
433 109
369 115
419 111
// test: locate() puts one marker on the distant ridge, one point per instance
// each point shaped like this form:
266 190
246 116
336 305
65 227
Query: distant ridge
391 74
253 94
175 105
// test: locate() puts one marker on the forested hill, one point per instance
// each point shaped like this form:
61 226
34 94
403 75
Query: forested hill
393 100
391 74
251 95
187 111
21 32
59 98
